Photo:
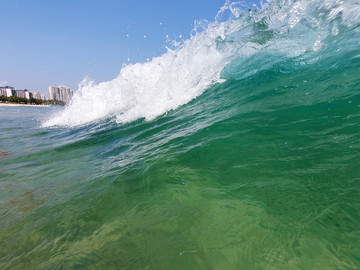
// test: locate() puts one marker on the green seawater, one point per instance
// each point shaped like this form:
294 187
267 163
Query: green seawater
258 172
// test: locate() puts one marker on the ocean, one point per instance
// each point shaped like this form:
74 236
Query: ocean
238 149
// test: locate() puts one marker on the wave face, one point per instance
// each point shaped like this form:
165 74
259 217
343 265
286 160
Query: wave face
239 149
242 41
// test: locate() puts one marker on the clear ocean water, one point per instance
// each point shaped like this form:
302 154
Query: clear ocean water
238 149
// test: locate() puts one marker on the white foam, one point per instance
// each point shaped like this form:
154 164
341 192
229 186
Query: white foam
147 90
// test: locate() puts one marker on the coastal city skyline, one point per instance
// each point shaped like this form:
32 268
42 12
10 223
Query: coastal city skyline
59 93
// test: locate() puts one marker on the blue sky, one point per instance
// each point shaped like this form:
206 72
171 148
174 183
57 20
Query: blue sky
59 42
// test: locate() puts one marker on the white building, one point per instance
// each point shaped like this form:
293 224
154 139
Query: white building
54 93
7 91
61 93
37 95
2 91
23 94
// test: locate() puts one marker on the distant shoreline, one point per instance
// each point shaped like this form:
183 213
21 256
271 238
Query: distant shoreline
22 105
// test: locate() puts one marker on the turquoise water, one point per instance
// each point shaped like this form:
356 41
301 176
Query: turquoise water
259 171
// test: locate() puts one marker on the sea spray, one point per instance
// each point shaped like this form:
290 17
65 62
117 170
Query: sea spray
147 90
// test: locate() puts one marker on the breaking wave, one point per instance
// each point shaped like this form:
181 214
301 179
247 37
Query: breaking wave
243 40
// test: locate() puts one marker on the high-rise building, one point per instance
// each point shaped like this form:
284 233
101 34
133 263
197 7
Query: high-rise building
61 93
54 93
23 94
7 91
2 91
37 95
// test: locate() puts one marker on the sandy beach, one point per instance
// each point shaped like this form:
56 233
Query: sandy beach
22 105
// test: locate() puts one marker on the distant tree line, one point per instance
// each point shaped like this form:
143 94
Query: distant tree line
32 101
